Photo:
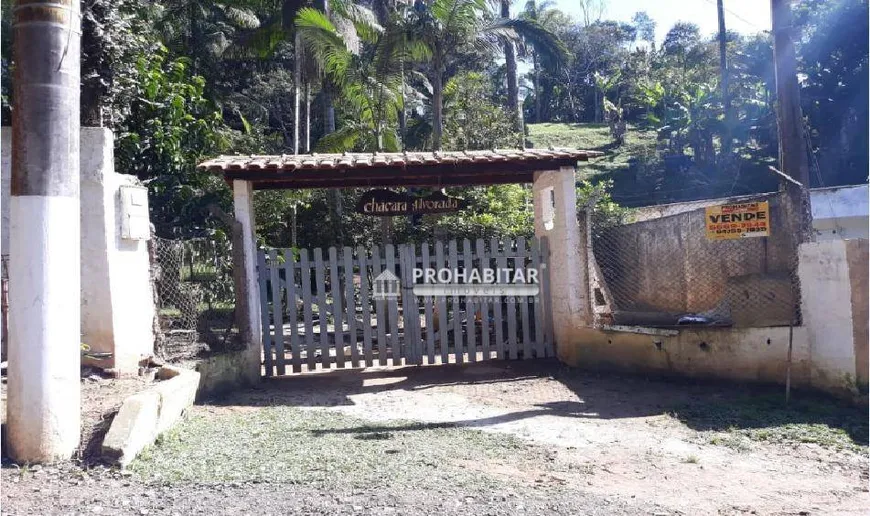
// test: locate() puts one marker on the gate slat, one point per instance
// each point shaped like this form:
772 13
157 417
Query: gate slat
264 313
293 311
366 307
549 340
483 304
457 320
410 306
393 308
277 310
350 302
539 300
520 263
497 320
441 306
308 316
468 265
511 308
427 309
337 312
325 359
380 308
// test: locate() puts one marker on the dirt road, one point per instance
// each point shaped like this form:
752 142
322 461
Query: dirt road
500 438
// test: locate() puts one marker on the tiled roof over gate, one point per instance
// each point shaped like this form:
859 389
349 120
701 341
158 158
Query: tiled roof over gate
394 168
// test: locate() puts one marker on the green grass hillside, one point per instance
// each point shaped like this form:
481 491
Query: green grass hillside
639 144
639 173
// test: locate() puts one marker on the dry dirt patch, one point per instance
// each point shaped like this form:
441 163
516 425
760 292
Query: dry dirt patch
692 447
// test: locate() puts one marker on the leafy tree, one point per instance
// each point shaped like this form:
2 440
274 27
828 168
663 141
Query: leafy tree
645 26
832 58
473 120
170 129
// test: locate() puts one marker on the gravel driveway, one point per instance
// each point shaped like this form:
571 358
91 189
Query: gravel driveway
498 438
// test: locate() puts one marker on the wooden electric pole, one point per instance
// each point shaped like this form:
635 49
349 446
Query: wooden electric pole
723 70
793 159
792 145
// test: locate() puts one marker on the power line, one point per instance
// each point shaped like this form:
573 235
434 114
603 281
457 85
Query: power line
732 13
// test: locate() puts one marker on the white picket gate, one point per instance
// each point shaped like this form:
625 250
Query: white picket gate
322 309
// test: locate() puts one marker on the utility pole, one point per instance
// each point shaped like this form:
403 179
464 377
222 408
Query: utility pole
792 145
723 70
44 263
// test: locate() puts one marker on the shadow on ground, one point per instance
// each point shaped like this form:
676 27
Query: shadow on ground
700 405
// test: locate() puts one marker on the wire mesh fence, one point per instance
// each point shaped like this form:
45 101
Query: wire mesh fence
194 295
700 267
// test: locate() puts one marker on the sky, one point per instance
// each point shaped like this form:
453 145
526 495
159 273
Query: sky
744 16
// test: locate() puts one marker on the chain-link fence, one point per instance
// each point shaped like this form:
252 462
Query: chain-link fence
699 267
194 295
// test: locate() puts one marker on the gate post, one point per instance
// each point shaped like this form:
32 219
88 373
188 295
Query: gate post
555 201
245 278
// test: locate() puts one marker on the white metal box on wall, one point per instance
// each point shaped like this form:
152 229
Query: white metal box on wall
135 224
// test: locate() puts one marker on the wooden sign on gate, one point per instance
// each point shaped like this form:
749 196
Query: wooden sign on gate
384 203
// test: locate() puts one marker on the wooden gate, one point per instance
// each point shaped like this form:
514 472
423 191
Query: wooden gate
357 308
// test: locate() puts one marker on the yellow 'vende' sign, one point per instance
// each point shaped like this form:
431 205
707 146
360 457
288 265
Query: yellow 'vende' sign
748 219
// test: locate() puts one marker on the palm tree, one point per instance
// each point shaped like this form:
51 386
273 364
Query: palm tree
545 45
449 28
540 40
205 29
369 80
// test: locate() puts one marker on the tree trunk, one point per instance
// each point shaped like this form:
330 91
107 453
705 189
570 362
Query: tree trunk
328 109
510 58
598 102
297 87
294 228
328 106
307 96
537 86
437 107
387 230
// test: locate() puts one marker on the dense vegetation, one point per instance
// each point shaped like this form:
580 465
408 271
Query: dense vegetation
182 80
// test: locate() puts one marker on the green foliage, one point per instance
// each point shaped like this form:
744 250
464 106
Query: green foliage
369 83
495 211
172 126
473 120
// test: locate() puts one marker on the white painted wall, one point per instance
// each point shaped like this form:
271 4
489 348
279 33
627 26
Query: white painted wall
243 205
116 298
840 212
826 308
555 202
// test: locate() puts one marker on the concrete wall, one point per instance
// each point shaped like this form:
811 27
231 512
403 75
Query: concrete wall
833 276
857 258
668 265
745 354
117 304
838 212
829 351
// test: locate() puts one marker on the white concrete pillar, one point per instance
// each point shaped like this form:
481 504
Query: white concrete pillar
248 300
44 283
555 201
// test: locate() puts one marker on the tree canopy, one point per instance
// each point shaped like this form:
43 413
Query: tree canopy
180 80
